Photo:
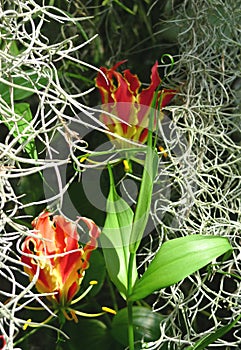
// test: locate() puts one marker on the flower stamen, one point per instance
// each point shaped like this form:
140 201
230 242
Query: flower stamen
92 284
109 310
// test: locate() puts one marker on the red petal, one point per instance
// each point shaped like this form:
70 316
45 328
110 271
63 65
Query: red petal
45 283
66 236
2 342
146 95
105 85
44 226
60 274
118 64
142 114
69 266
143 136
94 233
122 92
72 291
66 239
134 82
166 96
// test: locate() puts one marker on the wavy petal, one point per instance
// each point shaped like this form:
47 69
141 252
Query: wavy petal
146 95
134 82
105 85
45 228
55 253
166 96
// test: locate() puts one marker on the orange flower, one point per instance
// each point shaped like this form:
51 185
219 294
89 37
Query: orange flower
56 256
121 97
2 342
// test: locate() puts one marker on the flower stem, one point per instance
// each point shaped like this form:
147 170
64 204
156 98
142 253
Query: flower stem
130 303
130 326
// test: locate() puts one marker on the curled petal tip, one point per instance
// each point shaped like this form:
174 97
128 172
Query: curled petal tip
118 64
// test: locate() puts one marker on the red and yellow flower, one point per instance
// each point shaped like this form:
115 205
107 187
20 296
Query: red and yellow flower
53 254
2 342
121 97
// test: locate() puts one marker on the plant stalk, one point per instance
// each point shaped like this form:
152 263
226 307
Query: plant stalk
130 303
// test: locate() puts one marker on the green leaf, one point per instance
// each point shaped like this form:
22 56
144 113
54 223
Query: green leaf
14 48
89 334
146 324
27 195
127 9
21 127
115 238
146 189
31 81
144 198
210 338
177 259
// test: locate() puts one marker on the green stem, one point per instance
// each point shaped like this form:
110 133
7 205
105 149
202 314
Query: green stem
130 303
130 326
25 336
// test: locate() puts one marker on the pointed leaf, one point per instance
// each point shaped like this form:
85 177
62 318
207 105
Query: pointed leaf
210 338
32 83
146 189
144 199
177 259
115 238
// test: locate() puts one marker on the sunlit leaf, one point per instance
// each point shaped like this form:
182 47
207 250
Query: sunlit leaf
144 199
115 238
14 48
145 195
177 259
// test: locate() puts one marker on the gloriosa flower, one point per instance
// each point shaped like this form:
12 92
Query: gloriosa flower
2 342
55 255
121 96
